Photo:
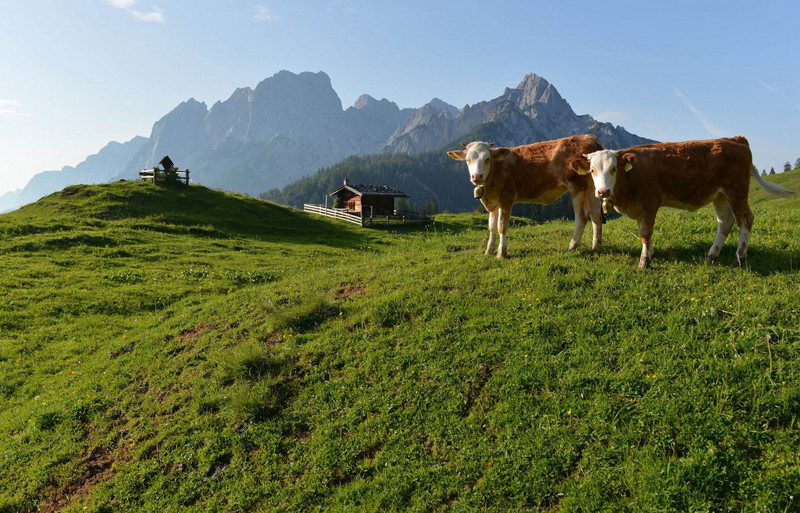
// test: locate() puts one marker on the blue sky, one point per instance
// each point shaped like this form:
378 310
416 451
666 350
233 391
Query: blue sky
78 74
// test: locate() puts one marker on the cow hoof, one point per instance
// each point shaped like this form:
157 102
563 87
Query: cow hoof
741 260
711 259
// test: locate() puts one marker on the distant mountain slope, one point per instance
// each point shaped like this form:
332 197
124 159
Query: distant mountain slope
287 127
533 111
291 125
98 168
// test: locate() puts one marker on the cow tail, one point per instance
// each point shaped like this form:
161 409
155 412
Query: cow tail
771 188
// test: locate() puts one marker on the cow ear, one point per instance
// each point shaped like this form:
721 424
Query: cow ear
629 159
499 153
458 155
579 165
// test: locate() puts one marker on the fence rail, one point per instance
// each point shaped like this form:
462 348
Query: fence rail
157 175
368 219
333 212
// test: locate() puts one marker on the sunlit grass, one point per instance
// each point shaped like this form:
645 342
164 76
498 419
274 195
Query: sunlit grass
212 352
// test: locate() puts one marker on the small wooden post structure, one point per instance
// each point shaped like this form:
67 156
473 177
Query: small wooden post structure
166 173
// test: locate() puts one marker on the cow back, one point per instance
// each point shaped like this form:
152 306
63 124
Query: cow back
687 174
539 172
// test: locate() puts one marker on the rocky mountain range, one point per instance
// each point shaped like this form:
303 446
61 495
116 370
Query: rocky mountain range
291 125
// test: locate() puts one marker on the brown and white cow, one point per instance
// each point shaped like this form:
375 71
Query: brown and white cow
535 173
685 175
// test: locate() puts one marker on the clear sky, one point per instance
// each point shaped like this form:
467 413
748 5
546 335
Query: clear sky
77 74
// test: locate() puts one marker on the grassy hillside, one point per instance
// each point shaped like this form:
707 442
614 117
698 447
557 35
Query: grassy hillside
191 350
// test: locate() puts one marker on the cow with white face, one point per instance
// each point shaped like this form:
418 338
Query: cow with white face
639 180
604 166
534 173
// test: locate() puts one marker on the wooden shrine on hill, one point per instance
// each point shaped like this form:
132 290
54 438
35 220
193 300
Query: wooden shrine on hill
167 173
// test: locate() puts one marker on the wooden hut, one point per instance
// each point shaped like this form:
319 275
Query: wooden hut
372 200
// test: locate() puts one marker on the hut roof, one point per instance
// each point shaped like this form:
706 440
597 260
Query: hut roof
369 190
166 162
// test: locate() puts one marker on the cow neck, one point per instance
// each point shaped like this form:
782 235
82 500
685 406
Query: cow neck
492 171
481 189
621 188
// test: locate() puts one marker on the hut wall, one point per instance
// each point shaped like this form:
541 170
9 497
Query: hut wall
381 205
350 201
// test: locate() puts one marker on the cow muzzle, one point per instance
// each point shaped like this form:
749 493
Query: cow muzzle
604 193
477 179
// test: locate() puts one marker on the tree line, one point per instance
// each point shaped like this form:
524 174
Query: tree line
786 167
433 181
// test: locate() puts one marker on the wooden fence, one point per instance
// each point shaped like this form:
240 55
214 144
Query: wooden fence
368 219
335 213
157 175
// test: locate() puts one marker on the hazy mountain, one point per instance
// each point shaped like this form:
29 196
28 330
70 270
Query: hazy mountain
291 125
534 111
98 168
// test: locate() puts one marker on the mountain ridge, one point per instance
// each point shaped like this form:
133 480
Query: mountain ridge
291 125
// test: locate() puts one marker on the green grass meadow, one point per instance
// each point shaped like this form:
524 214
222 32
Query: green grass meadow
172 349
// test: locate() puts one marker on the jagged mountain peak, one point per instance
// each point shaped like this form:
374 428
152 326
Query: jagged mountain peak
186 110
241 93
285 82
292 124
533 81
366 101
535 90
438 104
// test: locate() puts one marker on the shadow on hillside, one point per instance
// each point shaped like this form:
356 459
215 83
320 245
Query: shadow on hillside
759 261
199 212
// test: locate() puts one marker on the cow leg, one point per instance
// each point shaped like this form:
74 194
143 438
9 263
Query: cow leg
581 216
744 220
646 223
596 214
502 227
492 230
724 223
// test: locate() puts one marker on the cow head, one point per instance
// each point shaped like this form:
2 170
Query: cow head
479 156
603 166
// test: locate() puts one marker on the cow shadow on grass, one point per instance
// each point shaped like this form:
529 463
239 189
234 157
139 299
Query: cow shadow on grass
761 261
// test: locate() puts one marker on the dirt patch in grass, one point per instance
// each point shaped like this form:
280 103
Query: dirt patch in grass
97 467
355 290
194 332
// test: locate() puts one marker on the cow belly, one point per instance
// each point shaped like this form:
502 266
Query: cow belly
545 197
691 203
